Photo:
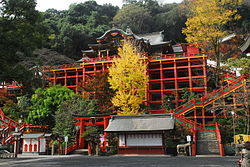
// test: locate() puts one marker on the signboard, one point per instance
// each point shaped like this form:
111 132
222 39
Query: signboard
66 138
189 138
241 138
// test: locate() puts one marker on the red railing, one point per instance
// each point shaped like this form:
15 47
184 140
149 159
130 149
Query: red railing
110 58
99 59
218 135
9 125
9 121
7 139
71 148
194 143
173 55
210 97
54 67
195 125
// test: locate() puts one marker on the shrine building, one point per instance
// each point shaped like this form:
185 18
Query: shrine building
170 68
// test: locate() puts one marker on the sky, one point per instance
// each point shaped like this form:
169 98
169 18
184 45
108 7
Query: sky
43 5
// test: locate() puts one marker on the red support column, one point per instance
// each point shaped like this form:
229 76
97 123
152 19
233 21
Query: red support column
176 82
147 95
203 116
161 80
54 73
194 142
106 123
195 113
190 75
39 143
205 74
65 78
77 81
83 77
81 139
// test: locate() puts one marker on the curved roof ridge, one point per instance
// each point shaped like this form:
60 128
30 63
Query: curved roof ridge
115 30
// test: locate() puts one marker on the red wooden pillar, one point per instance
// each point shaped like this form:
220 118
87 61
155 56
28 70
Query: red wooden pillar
54 73
147 94
65 77
205 73
176 83
203 116
106 123
190 75
194 142
83 78
81 139
89 148
162 85
77 81
195 113
39 143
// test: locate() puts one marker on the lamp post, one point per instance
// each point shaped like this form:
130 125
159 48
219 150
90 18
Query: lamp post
232 112
233 116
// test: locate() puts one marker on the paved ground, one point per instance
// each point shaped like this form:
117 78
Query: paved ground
120 161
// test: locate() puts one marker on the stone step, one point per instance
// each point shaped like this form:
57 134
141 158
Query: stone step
206 136
207 148
80 151
207 143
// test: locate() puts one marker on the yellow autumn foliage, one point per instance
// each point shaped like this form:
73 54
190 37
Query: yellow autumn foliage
205 25
127 76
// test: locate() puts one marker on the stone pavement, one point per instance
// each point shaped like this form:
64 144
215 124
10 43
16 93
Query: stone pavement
117 160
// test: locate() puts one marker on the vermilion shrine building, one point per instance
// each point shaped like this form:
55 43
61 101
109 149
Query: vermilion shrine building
170 68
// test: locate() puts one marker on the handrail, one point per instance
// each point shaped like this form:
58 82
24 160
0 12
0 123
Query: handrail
71 148
205 100
110 58
218 135
195 125
8 123
73 65
173 55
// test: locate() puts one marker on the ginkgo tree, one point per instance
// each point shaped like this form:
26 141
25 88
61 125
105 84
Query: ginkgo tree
127 77
206 23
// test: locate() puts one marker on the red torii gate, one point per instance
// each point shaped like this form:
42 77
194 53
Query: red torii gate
85 120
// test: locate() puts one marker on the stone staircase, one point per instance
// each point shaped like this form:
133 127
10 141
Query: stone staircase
207 143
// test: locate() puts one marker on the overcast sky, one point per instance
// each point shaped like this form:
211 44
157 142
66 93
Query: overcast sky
43 5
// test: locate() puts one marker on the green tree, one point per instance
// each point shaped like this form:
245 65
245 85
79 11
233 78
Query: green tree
73 29
128 80
168 103
188 95
171 19
21 31
64 122
242 63
45 103
137 17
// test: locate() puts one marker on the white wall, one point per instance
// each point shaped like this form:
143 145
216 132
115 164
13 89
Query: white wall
141 140
42 145
121 140
33 142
